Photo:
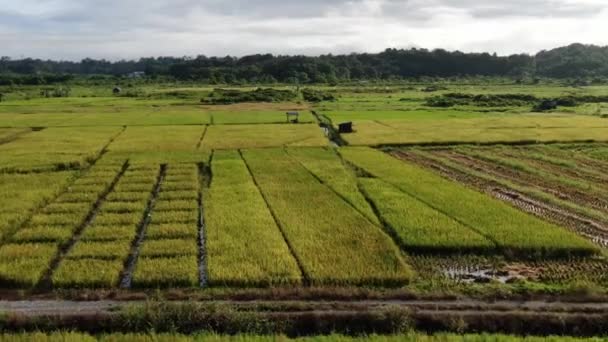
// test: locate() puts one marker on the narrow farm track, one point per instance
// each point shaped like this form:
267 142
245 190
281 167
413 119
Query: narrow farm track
127 275
34 308
587 227
46 281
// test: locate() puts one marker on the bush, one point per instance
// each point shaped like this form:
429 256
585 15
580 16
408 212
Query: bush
231 96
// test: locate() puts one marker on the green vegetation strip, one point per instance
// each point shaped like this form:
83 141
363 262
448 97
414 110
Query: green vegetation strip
515 232
326 165
334 243
420 228
245 246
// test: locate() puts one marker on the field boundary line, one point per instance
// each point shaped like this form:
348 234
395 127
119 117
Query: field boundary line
332 189
126 277
306 281
200 141
46 280
17 135
202 237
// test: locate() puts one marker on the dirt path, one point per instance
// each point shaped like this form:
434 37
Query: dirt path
65 307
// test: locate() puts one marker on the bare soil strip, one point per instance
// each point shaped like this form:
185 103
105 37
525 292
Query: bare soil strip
523 178
46 281
582 173
127 275
589 228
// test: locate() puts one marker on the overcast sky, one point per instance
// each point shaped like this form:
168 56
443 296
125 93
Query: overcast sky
115 29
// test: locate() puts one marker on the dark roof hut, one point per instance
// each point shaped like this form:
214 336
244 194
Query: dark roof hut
292 117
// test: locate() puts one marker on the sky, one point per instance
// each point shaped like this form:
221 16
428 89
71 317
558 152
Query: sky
129 29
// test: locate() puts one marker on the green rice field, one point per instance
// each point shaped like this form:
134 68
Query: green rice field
166 193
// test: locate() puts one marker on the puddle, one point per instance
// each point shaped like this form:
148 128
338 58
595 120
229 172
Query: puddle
507 274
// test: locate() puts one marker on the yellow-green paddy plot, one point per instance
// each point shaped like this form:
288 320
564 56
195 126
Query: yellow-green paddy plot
97 258
271 135
491 129
55 148
137 139
42 236
333 242
514 232
99 111
169 255
244 245
8 134
420 228
255 117
329 168
22 194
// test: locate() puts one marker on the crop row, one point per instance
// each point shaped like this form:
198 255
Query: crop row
30 251
418 227
244 246
169 254
24 193
333 242
326 165
514 232
55 148
97 259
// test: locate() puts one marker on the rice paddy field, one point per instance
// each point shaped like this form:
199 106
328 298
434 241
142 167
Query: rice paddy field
167 195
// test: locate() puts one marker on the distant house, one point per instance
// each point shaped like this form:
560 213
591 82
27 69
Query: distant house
136 74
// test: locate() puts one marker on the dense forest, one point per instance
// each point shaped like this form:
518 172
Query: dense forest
574 61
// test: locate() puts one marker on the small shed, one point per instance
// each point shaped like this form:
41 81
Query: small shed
345 127
293 117
116 90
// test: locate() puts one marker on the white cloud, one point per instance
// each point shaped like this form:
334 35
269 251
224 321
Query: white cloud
72 29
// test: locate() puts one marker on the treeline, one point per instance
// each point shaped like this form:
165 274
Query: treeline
574 61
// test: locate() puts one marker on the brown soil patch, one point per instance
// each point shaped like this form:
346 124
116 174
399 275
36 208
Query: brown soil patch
258 106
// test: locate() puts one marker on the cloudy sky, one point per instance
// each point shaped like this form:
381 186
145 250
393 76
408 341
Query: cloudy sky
115 29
